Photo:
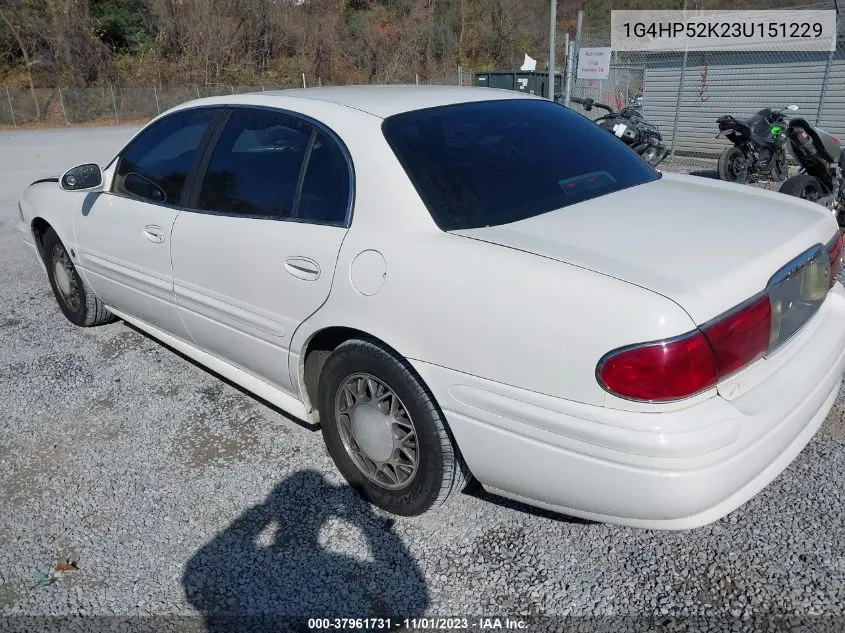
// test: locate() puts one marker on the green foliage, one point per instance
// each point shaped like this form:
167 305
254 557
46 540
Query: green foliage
122 25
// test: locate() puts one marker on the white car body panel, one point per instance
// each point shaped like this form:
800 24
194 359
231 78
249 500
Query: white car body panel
119 259
707 245
245 306
505 328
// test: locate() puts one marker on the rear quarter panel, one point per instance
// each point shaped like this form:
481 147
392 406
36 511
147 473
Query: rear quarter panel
502 314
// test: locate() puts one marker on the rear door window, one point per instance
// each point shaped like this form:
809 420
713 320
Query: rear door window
494 162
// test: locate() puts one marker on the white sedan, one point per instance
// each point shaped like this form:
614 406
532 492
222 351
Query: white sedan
466 282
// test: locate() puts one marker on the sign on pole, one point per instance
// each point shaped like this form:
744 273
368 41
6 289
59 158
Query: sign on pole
593 63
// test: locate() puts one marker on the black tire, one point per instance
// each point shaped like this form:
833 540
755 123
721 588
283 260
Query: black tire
803 186
780 167
440 470
733 166
80 305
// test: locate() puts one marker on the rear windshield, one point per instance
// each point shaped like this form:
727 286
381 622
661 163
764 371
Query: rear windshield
495 162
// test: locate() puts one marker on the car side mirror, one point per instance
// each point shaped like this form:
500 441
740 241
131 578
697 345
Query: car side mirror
792 108
86 177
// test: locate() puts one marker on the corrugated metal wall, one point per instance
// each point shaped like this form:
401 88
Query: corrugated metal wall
739 84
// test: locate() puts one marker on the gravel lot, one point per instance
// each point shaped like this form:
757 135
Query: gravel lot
180 495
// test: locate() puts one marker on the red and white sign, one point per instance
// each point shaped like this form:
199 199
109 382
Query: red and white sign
593 63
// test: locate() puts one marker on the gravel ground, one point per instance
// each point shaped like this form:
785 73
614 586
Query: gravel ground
180 495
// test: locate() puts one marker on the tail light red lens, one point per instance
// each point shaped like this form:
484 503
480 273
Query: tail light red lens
681 367
661 371
834 254
742 337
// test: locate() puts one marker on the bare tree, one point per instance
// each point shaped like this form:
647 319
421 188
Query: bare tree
16 34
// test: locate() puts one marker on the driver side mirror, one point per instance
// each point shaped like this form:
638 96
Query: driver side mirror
86 177
792 108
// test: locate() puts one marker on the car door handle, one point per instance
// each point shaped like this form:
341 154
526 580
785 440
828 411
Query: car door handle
154 233
303 268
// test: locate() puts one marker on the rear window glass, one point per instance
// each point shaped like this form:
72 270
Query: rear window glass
495 162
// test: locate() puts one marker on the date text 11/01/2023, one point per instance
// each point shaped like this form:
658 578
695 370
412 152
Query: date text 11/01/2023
417 624
727 30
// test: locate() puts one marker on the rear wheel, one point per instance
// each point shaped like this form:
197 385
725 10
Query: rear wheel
803 186
733 166
384 431
75 299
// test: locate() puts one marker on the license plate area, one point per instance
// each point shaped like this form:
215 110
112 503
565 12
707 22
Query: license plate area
796 292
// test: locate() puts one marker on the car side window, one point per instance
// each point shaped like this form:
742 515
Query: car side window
255 167
156 163
324 198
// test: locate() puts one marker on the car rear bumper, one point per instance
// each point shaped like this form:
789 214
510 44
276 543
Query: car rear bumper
675 470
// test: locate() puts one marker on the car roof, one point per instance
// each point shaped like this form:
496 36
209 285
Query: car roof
380 101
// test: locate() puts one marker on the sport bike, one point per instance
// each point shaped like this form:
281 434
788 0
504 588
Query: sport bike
822 163
758 145
630 126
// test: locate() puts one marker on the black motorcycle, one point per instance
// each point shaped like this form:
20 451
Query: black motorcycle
630 126
822 163
758 145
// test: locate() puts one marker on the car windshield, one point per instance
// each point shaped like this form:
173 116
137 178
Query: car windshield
495 162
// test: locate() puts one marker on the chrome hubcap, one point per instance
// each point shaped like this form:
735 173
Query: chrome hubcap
377 431
62 278
66 280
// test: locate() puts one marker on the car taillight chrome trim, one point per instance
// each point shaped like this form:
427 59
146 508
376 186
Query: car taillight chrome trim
785 280
627 348
834 250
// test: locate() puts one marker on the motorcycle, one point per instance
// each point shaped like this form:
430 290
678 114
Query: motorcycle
822 163
630 126
758 145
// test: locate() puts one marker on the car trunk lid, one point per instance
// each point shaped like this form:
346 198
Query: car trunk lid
706 245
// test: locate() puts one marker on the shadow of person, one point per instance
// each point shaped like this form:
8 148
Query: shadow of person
310 550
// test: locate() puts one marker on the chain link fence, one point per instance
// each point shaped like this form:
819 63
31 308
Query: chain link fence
683 93
108 103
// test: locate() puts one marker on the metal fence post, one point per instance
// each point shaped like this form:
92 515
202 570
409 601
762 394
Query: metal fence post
578 27
678 104
11 108
198 91
155 94
114 103
570 63
823 93
62 102
303 81
417 75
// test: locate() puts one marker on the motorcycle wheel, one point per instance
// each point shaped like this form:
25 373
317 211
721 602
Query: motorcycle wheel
803 186
733 165
650 155
780 168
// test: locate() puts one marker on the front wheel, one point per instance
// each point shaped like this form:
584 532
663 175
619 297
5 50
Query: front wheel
780 168
733 165
803 186
76 300
384 431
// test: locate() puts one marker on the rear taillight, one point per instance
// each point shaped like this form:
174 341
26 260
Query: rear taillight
685 366
660 371
742 337
681 367
834 254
